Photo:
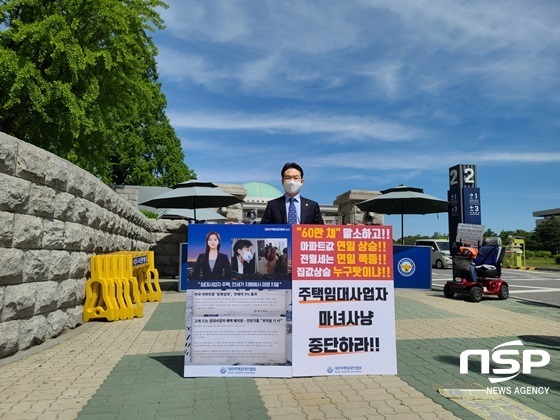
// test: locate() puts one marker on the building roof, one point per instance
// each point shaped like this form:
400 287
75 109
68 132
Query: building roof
545 213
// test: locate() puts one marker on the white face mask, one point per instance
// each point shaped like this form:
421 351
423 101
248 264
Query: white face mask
291 186
247 256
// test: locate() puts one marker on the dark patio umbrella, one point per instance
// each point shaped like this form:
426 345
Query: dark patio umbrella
404 200
193 195
202 214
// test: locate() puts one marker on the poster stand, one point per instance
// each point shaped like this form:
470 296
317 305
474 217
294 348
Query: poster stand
291 294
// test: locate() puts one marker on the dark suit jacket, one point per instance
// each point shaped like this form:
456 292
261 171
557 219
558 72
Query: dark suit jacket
221 271
275 212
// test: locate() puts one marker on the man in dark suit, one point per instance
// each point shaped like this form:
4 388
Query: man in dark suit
292 208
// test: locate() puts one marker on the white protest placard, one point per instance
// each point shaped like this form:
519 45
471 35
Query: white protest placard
344 328
470 234
343 301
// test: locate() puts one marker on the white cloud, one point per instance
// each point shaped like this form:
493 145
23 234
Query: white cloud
326 26
475 26
268 25
279 48
219 21
257 72
516 157
428 160
196 68
376 92
341 127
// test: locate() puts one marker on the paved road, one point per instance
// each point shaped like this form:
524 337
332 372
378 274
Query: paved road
134 369
537 286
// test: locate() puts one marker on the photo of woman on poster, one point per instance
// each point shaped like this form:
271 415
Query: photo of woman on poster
213 264
243 258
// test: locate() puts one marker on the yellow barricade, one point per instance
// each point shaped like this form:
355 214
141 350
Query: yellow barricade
127 292
101 301
119 283
144 270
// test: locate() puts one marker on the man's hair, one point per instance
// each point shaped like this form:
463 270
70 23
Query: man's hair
291 165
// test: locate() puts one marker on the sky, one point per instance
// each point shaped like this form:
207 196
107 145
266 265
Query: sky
371 94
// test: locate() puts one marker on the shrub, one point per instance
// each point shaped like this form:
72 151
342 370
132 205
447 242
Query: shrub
543 254
529 254
557 258
149 214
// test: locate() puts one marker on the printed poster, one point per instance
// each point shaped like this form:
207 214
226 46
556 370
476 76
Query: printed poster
238 301
343 301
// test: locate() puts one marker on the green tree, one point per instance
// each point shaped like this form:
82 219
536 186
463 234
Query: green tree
79 78
519 234
438 235
547 235
489 233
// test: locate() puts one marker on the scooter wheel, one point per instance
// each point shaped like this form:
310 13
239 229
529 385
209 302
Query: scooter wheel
504 292
476 294
448 292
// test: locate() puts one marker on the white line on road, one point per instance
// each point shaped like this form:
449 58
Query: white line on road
516 292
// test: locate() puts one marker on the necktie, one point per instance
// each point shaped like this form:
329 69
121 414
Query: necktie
292 215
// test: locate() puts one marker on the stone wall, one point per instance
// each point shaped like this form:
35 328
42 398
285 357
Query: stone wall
168 236
129 193
53 217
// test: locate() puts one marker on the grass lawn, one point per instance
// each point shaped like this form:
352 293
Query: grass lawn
542 262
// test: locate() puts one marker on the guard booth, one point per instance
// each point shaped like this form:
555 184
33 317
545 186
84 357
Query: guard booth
515 253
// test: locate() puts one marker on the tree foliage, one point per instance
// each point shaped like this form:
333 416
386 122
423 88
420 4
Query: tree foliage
547 235
79 78
489 233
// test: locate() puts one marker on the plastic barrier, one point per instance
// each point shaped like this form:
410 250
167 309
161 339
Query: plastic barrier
119 283
142 263
101 299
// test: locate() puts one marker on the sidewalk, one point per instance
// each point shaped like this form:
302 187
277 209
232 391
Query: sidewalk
133 369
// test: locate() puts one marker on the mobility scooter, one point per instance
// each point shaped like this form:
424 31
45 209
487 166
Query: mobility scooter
477 272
